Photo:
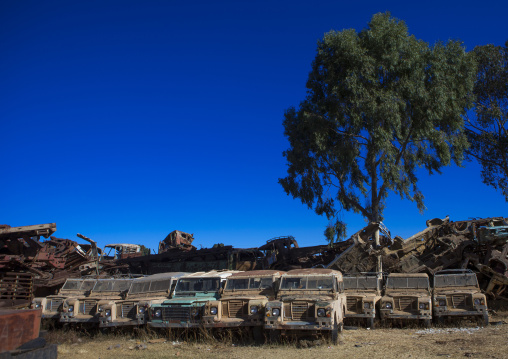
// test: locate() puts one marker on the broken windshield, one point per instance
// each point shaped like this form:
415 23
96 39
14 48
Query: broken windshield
455 280
407 282
150 286
360 282
198 284
254 283
112 285
306 282
78 284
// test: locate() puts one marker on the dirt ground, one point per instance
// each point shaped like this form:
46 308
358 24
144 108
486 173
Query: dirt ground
455 340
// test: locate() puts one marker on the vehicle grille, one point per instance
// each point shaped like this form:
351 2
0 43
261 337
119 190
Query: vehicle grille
128 310
405 304
177 312
88 307
458 301
54 305
353 304
299 310
237 308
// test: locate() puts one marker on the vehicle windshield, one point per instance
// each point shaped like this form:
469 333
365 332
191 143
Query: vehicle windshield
254 283
455 280
112 285
78 284
148 286
306 282
407 282
361 282
197 284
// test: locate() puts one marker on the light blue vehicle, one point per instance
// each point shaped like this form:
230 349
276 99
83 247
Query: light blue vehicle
192 292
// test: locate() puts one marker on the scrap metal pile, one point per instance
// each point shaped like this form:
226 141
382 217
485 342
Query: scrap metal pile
30 266
477 244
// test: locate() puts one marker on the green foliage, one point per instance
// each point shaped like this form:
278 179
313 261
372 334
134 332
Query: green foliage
487 130
144 250
380 104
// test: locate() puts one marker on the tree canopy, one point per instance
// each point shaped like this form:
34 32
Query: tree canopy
487 128
380 104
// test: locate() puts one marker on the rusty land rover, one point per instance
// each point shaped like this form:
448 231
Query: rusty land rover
363 292
308 301
407 296
86 309
52 305
141 295
457 294
243 301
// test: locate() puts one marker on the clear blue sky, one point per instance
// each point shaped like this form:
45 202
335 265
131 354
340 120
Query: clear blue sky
124 120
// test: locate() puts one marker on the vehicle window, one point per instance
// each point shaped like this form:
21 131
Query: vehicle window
198 284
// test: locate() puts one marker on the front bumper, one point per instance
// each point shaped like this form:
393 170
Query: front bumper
105 323
174 324
360 315
459 312
79 319
391 314
212 322
299 325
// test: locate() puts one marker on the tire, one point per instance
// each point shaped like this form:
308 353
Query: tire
257 334
370 323
426 323
485 319
335 333
274 335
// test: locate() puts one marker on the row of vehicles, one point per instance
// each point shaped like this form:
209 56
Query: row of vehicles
270 301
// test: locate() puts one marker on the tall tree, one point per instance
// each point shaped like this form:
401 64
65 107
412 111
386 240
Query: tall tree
380 104
487 128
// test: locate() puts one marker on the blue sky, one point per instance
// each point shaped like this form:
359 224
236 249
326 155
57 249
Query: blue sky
125 120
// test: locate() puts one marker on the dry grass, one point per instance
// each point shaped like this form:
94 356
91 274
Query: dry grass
490 342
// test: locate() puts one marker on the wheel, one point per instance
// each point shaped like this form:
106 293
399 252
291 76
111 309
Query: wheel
274 335
485 318
335 333
426 323
370 323
257 334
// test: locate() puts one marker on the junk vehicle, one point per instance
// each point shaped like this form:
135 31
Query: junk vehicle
52 305
192 292
242 303
407 296
143 292
308 300
457 294
86 309
363 293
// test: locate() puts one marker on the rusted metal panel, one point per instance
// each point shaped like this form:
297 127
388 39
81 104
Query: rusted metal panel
18 327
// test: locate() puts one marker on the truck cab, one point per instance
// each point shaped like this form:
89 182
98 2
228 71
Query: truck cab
185 309
52 305
86 309
408 297
456 294
144 292
363 293
308 301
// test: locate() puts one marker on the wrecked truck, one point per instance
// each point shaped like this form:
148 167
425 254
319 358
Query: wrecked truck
185 308
456 294
363 293
308 301
407 297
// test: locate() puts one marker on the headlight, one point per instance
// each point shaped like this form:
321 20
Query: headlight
141 310
101 308
275 312
71 308
108 312
253 309
477 301
37 304
321 312
366 305
422 306
388 305
195 312
442 302
158 313
213 310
